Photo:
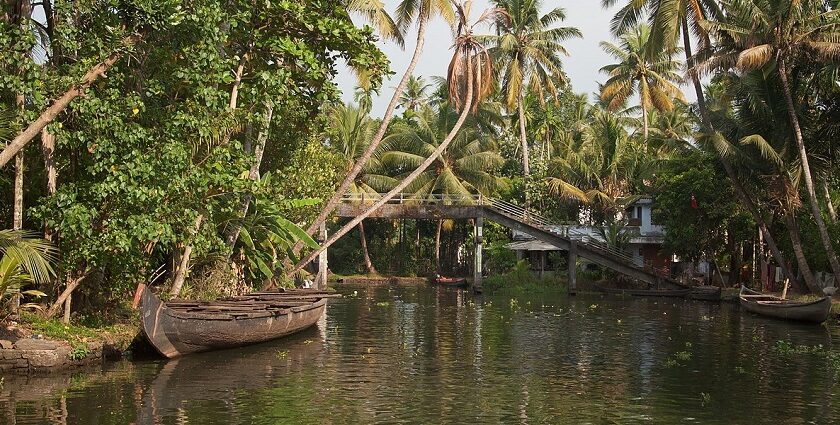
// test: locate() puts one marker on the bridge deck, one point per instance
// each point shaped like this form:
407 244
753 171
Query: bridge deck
508 215
416 211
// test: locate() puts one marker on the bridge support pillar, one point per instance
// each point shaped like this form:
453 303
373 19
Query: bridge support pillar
321 277
572 266
479 241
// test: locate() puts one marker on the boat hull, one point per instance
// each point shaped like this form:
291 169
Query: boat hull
814 312
668 293
177 333
705 293
453 282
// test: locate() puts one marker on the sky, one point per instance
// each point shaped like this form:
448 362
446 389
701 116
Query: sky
582 66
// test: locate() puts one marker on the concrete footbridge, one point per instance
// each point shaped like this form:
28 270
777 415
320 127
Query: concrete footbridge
514 217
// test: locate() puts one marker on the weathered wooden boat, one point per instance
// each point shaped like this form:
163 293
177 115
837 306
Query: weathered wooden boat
180 327
773 306
667 292
459 282
705 293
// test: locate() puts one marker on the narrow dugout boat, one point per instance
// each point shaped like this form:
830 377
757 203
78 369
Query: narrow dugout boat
674 293
180 327
773 306
459 282
705 293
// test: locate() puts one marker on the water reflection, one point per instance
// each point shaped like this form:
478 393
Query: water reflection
438 355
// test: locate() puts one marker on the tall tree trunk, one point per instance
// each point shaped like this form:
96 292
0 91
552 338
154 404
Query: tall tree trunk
734 257
58 106
417 240
403 184
832 213
801 261
17 212
523 137
645 125
806 172
17 220
377 138
181 273
363 238
253 174
48 149
742 194
437 245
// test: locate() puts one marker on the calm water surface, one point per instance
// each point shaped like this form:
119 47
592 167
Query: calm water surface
436 355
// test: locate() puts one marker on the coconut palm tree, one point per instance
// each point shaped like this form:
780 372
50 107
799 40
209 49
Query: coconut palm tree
652 77
350 128
375 13
528 48
769 35
464 168
408 11
416 93
765 156
470 82
669 19
601 165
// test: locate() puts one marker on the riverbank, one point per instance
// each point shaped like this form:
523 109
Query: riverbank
33 344
378 279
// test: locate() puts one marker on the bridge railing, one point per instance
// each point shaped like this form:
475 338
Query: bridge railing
511 210
410 198
532 218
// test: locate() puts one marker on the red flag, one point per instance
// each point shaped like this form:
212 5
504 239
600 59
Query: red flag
693 202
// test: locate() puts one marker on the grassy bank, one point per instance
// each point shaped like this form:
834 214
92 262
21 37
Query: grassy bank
119 335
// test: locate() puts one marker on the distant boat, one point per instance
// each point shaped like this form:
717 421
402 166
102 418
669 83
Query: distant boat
180 327
676 293
460 282
705 293
773 306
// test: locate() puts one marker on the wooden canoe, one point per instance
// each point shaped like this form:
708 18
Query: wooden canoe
459 282
705 293
676 293
180 327
773 306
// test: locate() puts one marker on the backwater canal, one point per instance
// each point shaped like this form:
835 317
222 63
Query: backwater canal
428 355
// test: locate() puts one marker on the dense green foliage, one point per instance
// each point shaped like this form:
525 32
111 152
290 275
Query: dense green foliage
218 131
168 138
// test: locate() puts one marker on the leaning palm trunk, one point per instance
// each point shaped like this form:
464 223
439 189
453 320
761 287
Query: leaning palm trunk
806 171
742 194
832 213
801 261
363 239
467 103
523 138
437 246
377 138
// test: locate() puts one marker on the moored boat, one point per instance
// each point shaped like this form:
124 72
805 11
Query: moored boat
460 282
676 292
705 293
180 327
773 306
